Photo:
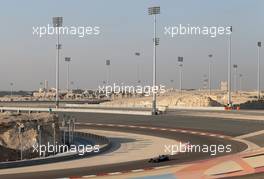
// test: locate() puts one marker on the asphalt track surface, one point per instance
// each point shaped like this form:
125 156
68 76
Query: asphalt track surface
176 119
171 120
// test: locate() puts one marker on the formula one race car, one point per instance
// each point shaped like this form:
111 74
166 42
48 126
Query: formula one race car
160 158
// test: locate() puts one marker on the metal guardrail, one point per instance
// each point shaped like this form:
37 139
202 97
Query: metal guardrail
102 140
198 108
31 109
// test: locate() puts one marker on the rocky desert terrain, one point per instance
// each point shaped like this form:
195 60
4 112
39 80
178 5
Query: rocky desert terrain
9 133
192 98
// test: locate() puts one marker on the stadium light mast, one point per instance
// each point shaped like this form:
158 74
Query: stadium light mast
229 100
67 60
209 75
240 81
172 83
108 63
154 11
11 89
205 82
180 61
72 84
41 85
57 22
138 80
235 79
259 46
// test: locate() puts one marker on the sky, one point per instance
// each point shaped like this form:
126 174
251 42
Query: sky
126 28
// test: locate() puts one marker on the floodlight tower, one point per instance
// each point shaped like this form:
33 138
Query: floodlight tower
259 46
240 81
11 89
235 79
67 60
180 63
205 82
172 83
154 11
41 85
72 84
57 23
209 75
138 80
108 63
229 100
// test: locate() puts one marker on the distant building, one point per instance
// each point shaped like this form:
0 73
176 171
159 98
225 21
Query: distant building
223 86
45 93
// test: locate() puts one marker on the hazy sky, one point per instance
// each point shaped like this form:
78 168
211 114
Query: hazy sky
126 28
